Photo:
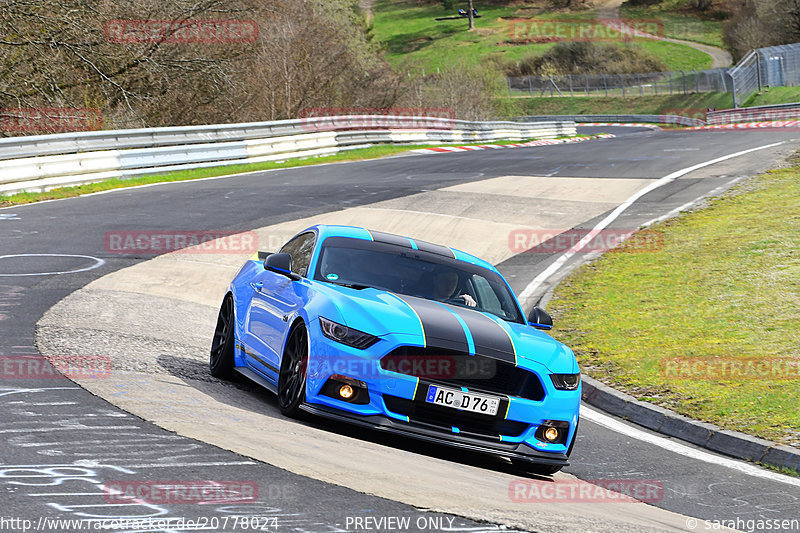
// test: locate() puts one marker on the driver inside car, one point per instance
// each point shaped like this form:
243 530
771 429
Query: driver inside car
445 289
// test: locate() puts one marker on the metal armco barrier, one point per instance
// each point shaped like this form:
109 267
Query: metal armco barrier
42 162
755 114
651 119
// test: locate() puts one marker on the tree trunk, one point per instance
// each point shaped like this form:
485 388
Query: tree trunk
471 17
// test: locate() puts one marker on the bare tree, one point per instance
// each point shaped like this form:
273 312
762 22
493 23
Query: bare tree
307 53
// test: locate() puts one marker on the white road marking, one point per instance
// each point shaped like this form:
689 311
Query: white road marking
176 465
675 446
9 216
97 264
566 256
691 203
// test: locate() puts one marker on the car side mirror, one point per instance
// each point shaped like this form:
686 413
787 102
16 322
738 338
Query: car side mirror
280 264
540 319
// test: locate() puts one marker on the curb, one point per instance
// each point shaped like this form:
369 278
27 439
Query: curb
540 142
750 125
731 443
622 125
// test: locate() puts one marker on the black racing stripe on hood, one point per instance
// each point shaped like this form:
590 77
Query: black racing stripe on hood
489 337
442 328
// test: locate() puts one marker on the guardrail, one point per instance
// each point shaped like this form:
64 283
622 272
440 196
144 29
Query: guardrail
755 114
650 119
42 162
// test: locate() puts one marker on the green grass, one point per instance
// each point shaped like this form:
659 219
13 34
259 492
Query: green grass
415 41
678 25
691 104
677 56
775 95
725 287
198 173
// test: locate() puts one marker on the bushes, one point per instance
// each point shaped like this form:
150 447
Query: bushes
587 58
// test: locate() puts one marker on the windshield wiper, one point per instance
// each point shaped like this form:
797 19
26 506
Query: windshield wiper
357 286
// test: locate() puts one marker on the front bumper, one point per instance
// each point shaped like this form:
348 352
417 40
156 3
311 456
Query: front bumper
396 404
518 451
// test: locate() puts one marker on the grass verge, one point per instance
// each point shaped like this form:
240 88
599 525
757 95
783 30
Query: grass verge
708 325
775 95
693 104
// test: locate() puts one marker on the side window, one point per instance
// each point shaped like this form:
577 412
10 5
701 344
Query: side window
487 298
300 248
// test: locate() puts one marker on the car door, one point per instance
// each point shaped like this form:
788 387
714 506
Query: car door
275 299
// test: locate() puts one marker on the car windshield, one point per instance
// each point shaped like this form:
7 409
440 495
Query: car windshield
359 263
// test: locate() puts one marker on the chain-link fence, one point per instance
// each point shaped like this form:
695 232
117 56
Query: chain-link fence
775 66
653 83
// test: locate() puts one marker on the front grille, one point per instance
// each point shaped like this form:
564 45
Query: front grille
443 417
476 372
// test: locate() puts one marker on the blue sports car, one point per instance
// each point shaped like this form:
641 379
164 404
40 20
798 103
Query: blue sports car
404 336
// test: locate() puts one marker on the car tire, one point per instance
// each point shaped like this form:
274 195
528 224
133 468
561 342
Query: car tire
221 361
292 375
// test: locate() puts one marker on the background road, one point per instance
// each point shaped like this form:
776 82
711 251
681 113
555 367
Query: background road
53 422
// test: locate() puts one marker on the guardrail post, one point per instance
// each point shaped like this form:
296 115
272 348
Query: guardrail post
758 72
683 77
733 92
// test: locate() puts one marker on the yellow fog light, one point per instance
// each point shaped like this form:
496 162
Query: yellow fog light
346 391
551 434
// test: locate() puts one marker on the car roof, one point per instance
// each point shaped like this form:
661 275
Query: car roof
354 232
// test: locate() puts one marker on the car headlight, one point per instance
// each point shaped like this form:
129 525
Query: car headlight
566 381
349 336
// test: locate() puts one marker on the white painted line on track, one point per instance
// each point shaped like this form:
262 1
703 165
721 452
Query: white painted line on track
181 465
528 292
97 264
673 445
690 204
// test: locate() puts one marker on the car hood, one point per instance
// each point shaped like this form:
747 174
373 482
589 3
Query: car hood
440 325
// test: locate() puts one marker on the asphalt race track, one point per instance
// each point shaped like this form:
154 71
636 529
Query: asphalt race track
61 444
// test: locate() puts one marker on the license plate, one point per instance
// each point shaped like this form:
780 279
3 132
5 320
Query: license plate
464 401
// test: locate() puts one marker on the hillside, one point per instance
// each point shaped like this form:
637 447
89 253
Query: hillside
413 39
